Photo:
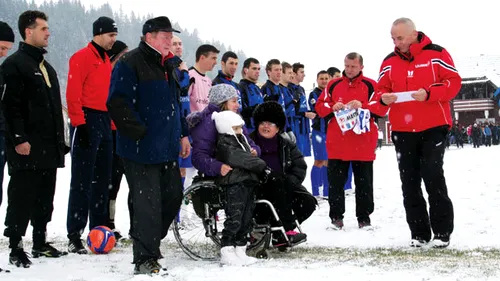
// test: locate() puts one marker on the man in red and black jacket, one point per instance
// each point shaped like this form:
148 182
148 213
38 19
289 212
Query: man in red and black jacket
344 148
92 143
420 127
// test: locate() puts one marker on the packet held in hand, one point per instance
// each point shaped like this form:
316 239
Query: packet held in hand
346 118
404 96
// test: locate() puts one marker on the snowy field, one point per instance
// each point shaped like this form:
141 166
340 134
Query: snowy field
350 254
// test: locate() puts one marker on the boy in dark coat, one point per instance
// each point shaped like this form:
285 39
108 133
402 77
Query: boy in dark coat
239 185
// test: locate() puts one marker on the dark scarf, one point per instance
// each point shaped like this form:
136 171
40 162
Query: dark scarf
269 152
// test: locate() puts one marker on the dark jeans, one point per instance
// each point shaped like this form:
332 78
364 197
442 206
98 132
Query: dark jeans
90 175
240 204
156 198
363 179
30 198
420 156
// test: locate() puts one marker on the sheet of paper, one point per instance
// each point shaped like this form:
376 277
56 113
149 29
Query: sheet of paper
405 96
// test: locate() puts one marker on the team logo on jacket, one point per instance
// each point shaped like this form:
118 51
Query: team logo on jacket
410 73
422 65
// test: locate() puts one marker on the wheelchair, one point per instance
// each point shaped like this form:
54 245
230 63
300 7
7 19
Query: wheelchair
198 226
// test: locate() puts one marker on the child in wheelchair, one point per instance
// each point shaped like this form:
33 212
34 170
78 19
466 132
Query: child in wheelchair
239 185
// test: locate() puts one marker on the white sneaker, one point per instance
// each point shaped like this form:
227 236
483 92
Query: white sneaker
228 256
241 253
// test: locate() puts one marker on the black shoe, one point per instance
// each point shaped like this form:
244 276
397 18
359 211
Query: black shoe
149 266
365 225
19 257
118 235
440 241
76 246
47 250
294 238
337 224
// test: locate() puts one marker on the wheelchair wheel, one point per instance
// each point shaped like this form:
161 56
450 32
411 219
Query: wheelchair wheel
197 228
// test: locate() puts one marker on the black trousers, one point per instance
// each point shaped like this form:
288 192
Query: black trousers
30 196
90 175
2 162
156 198
240 204
363 179
303 202
420 156
117 171
281 197
476 142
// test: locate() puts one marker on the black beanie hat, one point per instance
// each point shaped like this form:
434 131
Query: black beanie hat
117 48
6 33
270 111
104 25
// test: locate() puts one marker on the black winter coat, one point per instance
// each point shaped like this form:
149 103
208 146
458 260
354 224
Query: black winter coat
33 111
301 202
292 160
2 89
246 167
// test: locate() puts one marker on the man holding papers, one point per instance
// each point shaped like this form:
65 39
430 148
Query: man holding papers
351 139
420 122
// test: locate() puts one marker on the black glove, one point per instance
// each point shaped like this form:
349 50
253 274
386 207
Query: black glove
83 136
266 175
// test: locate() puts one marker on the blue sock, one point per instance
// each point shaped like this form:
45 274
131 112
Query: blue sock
315 180
348 184
326 183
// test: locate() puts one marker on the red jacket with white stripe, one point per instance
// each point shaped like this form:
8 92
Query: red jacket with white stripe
349 146
89 78
428 66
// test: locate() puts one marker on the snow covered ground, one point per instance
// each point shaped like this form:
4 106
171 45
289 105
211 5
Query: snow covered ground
350 254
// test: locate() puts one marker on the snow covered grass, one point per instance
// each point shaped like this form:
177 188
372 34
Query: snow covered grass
350 254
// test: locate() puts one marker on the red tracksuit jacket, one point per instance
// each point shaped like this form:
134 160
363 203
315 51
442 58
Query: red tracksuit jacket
88 83
430 67
349 146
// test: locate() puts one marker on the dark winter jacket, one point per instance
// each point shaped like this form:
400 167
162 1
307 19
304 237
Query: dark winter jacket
204 134
294 166
251 96
272 92
246 167
183 78
319 124
222 78
292 160
144 103
2 89
476 132
33 111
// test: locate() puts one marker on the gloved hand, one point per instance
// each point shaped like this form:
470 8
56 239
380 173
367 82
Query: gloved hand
266 175
83 136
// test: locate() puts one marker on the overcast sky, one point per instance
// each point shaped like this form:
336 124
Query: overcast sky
320 33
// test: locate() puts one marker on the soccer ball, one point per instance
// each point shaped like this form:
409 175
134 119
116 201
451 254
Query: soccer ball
101 240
